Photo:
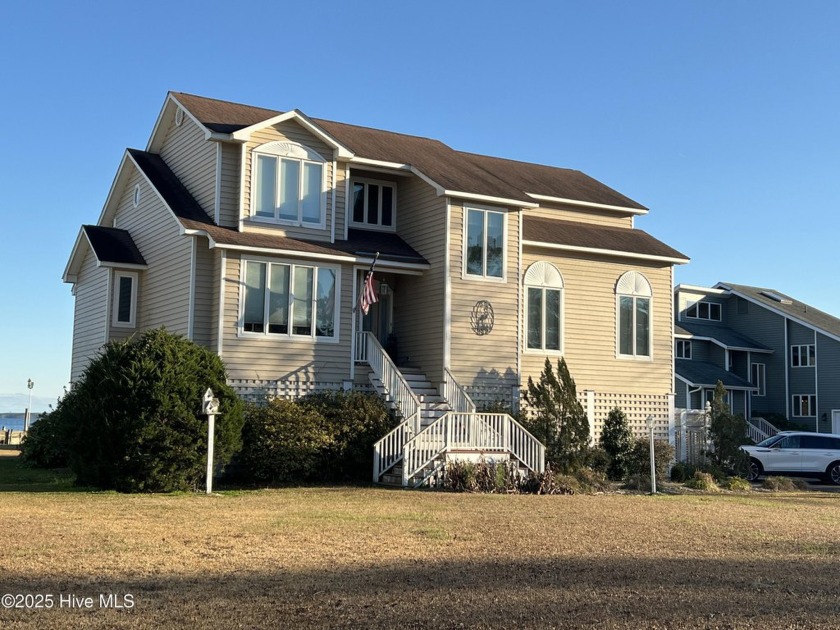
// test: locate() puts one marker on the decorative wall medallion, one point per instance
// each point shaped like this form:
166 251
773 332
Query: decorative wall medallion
482 317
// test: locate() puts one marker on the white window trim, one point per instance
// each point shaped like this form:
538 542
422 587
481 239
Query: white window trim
313 338
543 283
295 151
464 244
364 225
797 406
115 297
685 343
761 387
645 294
135 198
807 347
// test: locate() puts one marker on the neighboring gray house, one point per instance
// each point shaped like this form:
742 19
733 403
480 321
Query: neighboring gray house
773 353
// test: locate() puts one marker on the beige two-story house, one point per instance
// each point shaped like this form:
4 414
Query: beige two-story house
251 231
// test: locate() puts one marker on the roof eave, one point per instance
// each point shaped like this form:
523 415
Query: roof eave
341 151
589 204
608 252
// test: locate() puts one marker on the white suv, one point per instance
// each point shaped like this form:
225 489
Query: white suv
798 454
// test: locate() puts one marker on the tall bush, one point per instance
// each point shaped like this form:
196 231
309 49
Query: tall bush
617 441
727 433
134 420
556 417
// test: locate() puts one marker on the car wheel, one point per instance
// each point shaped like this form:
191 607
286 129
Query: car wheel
832 473
754 470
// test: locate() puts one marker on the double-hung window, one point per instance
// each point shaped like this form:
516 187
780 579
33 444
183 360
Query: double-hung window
633 296
374 203
805 406
683 349
544 308
484 243
290 299
288 184
758 378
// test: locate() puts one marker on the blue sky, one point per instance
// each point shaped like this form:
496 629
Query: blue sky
722 117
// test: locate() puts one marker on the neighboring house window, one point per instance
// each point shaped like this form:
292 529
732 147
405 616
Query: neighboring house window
803 356
290 299
805 406
544 307
125 299
633 297
758 379
374 203
288 184
485 243
683 349
704 310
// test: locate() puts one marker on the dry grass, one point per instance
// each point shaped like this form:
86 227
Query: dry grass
357 557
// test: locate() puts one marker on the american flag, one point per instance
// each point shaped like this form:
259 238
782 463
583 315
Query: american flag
368 296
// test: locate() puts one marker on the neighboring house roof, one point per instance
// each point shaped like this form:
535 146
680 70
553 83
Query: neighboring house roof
452 170
588 236
703 374
724 336
112 245
360 243
788 306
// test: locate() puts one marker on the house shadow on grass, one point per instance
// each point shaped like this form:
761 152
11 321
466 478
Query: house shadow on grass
602 592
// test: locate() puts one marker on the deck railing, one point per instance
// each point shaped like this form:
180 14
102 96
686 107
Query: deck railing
456 395
396 387
758 429
477 432
388 451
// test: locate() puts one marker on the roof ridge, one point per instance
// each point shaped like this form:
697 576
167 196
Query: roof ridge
226 102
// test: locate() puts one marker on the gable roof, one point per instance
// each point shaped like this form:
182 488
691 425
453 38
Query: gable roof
360 246
112 247
722 335
576 236
795 309
703 374
453 172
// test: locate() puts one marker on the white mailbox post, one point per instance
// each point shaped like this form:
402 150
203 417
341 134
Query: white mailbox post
649 421
210 408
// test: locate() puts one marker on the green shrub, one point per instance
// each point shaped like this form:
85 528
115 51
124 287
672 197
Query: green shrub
354 422
597 460
617 441
681 472
46 444
134 420
283 441
556 418
638 462
703 481
784 484
737 484
727 433
591 481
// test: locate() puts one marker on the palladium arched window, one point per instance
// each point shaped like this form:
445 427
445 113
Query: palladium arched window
633 298
288 184
544 308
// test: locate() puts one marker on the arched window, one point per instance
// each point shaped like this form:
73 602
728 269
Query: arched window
288 184
544 308
633 298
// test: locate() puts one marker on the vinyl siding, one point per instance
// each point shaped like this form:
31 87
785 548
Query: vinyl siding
292 132
571 213
802 379
164 288
419 300
590 320
485 362
90 313
276 357
193 160
205 306
828 374
229 185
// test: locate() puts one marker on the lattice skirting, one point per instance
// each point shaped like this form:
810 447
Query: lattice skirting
637 408
255 390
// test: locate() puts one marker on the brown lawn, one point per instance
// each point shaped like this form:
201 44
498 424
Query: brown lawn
357 557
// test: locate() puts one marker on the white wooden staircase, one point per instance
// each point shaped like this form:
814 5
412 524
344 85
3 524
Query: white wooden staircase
437 426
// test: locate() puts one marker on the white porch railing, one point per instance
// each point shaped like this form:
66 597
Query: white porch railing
478 432
456 395
758 429
396 387
388 451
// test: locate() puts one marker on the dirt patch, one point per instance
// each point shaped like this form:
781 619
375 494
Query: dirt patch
382 558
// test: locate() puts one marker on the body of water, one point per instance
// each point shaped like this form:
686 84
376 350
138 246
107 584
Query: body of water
14 421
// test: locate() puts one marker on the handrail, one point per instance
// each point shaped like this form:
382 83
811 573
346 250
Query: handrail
391 378
483 432
759 429
455 394
388 451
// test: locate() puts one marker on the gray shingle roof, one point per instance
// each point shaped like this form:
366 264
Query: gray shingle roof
454 170
701 373
722 334
113 245
796 309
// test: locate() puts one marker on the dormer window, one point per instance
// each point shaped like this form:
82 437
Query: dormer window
704 310
288 185
374 203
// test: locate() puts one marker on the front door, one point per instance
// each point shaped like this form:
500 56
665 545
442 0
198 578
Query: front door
380 315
